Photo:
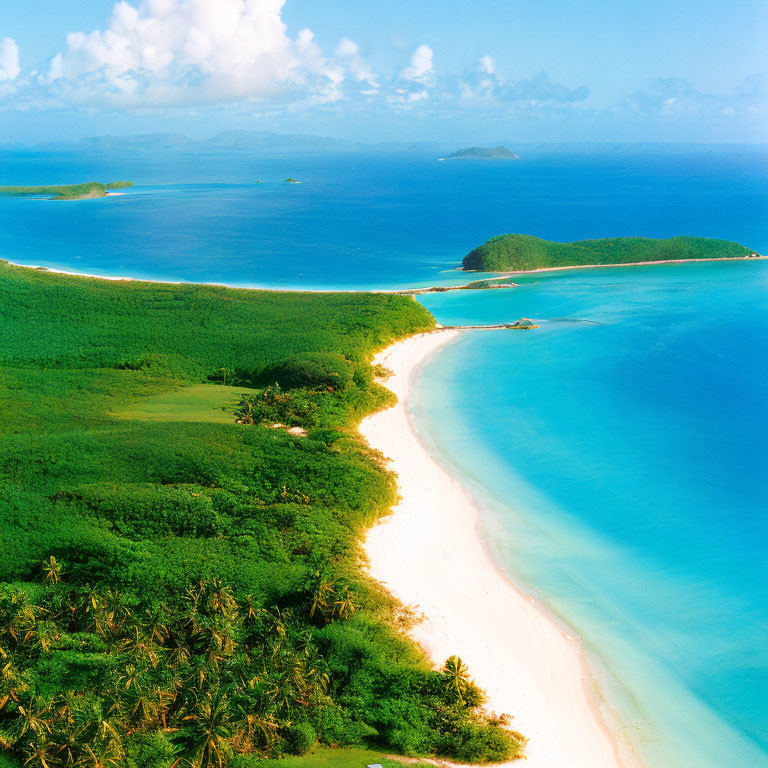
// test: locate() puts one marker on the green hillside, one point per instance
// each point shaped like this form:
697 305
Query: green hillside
180 580
510 253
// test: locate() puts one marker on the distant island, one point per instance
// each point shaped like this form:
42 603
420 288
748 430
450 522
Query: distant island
291 180
513 253
89 189
484 153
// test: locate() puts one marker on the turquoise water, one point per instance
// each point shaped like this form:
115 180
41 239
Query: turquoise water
619 450
361 221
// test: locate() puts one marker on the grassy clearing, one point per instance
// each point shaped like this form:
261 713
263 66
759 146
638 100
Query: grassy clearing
201 403
339 758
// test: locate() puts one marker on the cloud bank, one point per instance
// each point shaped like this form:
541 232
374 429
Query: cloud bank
239 56
165 54
9 59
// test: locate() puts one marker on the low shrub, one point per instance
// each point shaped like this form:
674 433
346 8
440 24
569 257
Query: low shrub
301 738
311 370
149 749
294 408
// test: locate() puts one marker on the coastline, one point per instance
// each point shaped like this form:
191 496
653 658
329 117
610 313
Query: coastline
429 555
129 279
405 291
501 275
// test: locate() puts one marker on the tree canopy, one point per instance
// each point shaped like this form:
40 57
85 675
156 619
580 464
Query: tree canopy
511 253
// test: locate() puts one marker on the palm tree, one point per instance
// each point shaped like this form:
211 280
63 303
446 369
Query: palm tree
332 599
210 730
343 604
72 721
155 624
142 646
46 634
113 611
456 682
40 752
255 729
221 600
251 609
12 682
24 617
52 570
35 718
106 754
321 598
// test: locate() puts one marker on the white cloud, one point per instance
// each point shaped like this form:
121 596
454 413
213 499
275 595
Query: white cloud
421 67
487 65
675 97
348 52
156 54
178 52
485 84
9 59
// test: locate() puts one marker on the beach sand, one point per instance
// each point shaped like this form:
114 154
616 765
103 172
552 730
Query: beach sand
429 555
502 275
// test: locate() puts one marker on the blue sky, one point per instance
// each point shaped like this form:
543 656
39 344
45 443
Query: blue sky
551 70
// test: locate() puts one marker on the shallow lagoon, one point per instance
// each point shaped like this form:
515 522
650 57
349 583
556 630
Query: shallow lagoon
620 453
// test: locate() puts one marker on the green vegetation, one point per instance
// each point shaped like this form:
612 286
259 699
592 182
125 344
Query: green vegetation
490 284
176 587
291 180
197 402
67 191
522 324
311 369
484 153
508 253
332 758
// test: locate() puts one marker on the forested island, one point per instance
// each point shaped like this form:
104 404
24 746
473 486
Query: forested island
87 190
513 253
484 153
180 582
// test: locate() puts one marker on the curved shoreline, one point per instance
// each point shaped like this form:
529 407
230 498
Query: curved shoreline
428 554
403 291
501 275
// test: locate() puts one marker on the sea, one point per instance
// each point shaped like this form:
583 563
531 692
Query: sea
619 453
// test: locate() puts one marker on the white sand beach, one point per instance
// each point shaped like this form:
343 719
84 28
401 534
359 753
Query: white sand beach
429 555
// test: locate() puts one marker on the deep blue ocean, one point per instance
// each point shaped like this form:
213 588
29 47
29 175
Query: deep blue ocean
619 453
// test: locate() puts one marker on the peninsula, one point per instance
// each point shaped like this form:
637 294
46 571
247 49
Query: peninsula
87 190
484 153
184 494
524 253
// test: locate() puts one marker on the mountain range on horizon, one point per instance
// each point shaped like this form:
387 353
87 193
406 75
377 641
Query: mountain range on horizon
269 143
265 142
